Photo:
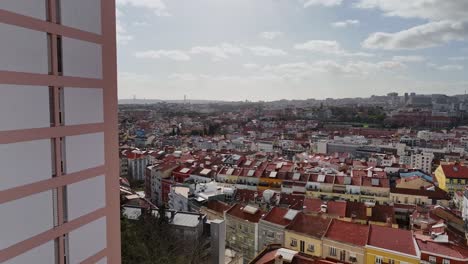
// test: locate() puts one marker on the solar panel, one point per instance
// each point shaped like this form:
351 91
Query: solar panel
248 163
250 173
184 170
279 165
321 178
375 182
347 180
296 176
273 174
290 214
250 209
205 171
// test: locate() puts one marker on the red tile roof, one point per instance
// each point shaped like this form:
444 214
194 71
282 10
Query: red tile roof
311 225
218 206
276 216
455 171
445 249
237 211
395 239
346 232
437 194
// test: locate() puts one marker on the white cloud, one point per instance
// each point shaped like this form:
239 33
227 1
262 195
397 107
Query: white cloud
219 52
326 3
250 66
424 36
425 9
448 67
157 6
409 58
345 23
328 47
266 51
140 23
123 37
301 70
184 76
270 35
460 58
176 55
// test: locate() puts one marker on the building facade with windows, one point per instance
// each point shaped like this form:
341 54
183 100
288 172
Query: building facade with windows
59 189
391 246
272 226
345 241
305 234
242 230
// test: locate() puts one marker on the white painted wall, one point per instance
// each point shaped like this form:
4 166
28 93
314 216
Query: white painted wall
13 158
81 58
30 105
84 152
36 9
82 14
86 196
87 240
83 106
44 253
23 50
24 218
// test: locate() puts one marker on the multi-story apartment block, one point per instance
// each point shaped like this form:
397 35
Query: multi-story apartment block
452 177
422 161
345 241
59 190
242 229
305 234
272 226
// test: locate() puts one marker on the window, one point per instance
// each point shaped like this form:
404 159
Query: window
378 260
332 251
271 234
391 261
293 243
445 261
311 248
302 247
343 255
432 259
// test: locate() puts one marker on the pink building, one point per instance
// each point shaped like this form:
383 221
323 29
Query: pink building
59 184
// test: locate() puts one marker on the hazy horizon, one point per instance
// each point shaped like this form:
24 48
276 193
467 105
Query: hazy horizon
269 50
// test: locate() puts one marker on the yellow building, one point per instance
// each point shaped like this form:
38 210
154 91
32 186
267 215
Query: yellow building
305 234
452 177
391 246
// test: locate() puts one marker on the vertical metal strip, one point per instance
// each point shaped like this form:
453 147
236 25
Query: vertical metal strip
52 4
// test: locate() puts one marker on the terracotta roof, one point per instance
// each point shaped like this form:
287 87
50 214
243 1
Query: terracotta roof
237 211
395 239
311 225
218 206
294 201
312 205
346 232
445 249
455 171
437 194
276 216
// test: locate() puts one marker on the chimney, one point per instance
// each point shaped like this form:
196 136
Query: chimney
369 172
279 259
369 211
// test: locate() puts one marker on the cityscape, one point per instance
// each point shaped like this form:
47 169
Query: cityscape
332 181
234 132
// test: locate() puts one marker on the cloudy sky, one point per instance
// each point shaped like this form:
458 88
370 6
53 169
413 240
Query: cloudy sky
290 49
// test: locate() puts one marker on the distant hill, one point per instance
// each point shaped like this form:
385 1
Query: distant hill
155 101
